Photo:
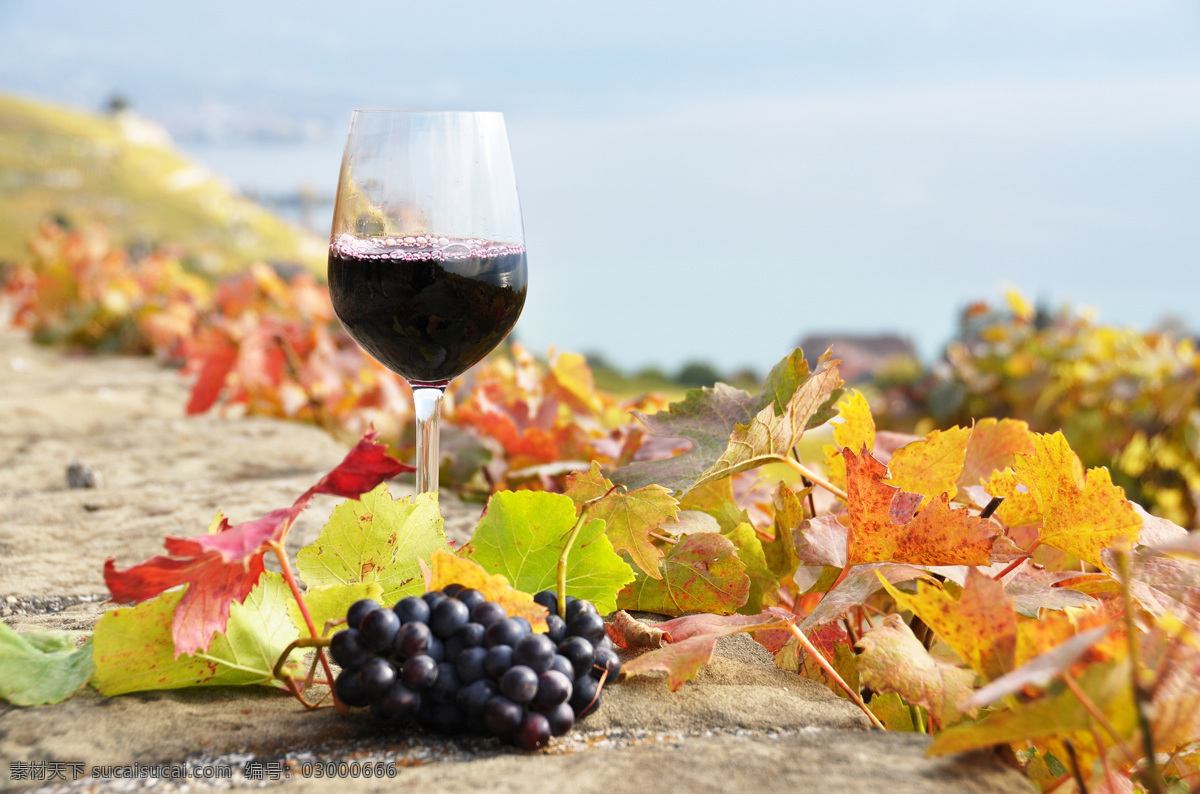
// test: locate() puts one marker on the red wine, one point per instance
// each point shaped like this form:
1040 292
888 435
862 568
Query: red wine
427 308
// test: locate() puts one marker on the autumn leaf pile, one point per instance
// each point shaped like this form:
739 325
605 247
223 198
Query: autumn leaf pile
977 583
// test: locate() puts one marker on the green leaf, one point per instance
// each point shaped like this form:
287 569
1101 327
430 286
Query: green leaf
783 380
522 534
376 539
133 649
330 602
702 573
629 517
892 711
763 583
41 667
705 417
789 514
769 437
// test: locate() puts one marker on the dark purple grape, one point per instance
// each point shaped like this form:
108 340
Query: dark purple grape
437 649
548 599
534 651
502 716
563 665
533 733
452 590
378 629
412 609
498 659
579 653
419 672
358 610
472 635
447 718
578 607
412 640
556 628
347 649
588 625
503 632
433 598
606 642
487 613
446 686
605 659
399 704
585 696
553 688
519 683
477 724
469 665
471 597
349 689
448 617
473 699
523 623
561 718
425 712
377 677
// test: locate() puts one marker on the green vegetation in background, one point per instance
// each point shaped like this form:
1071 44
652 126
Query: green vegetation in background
122 171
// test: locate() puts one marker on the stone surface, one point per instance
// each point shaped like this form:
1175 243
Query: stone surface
742 725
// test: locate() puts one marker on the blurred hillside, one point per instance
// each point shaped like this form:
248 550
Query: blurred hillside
123 171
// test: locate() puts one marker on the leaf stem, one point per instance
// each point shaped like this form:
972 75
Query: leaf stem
804 471
562 559
1015 564
824 664
1151 777
1091 706
286 568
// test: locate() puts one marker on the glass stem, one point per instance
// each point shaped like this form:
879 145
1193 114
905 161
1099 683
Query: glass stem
428 403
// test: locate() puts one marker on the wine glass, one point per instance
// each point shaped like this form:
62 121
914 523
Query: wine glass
427 251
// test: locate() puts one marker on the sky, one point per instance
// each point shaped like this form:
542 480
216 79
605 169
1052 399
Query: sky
712 181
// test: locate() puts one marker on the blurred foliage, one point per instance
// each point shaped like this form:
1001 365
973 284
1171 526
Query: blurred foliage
123 171
1125 399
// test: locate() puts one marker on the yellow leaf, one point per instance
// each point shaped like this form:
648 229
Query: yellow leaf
447 568
855 430
932 465
1082 515
993 447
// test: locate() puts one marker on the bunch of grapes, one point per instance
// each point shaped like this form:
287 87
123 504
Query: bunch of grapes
454 661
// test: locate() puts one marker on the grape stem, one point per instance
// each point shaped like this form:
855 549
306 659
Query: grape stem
289 680
824 664
286 568
561 590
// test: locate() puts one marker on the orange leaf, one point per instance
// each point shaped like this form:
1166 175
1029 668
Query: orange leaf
994 447
447 568
981 626
932 465
883 527
1082 515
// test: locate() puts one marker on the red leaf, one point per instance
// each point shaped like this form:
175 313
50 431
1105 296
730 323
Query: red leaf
223 567
216 356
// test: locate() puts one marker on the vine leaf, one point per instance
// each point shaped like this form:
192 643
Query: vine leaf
41 667
853 427
629 518
883 527
133 649
980 626
770 436
375 539
521 536
993 447
222 567
931 466
1081 514
709 417
446 568
764 584
706 417
702 573
691 641
894 660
